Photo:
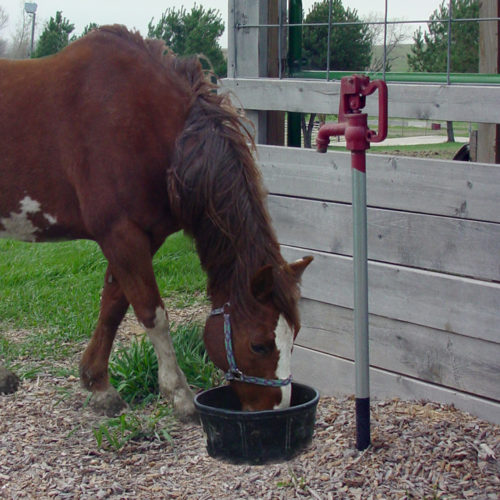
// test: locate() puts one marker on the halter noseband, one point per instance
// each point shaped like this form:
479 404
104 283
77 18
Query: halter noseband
234 373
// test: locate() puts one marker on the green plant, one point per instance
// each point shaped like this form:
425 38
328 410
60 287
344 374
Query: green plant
299 483
134 369
193 358
118 431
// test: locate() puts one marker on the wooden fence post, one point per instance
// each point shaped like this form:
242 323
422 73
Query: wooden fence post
275 60
247 54
488 150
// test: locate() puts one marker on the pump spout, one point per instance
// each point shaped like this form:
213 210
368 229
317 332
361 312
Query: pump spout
325 132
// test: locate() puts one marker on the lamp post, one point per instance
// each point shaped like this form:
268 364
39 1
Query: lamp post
30 8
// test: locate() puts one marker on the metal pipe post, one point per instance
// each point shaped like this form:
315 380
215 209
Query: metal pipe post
354 125
32 34
361 337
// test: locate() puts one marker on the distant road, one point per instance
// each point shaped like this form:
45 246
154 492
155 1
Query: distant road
406 141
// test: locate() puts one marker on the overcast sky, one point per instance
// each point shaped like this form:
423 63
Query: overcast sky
137 14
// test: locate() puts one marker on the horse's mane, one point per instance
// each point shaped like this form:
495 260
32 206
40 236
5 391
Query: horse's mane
155 48
216 191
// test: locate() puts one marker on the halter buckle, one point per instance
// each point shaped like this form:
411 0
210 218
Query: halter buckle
234 374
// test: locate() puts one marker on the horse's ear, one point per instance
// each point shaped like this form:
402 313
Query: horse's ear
262 283
299 266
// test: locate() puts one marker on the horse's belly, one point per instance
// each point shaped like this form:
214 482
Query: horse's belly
28 222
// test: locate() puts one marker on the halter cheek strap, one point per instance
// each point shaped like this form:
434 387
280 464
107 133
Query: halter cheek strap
234 373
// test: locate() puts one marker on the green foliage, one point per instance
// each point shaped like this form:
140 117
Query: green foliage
350 45
192 33
134 369
52 287
53 291
90 27
429 52
193 358
54 37
118 431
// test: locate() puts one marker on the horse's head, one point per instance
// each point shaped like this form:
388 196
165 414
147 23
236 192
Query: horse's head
255 352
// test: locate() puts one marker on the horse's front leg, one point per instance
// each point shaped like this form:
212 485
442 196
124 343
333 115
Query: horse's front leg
94 364
128 251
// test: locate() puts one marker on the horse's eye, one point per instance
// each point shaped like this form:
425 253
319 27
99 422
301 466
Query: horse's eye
260 349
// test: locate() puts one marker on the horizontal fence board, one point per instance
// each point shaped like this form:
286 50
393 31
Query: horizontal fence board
435 356
438 187
335 377
459 305
425 102
444 244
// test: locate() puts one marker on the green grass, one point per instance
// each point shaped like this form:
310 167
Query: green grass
445 150
53 290
136 425
134 372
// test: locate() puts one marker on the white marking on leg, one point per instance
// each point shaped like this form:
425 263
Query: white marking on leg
18 225
284 344
170 377
162 342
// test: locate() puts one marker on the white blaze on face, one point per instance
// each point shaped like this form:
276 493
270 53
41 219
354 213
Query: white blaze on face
18 224
284 344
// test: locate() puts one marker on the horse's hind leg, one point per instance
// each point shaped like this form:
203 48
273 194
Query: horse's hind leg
9 381
128 251
94 363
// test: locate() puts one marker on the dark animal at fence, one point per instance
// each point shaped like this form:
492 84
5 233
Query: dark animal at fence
116 140
463 154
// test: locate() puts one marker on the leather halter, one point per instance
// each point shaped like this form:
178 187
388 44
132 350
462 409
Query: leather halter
234 373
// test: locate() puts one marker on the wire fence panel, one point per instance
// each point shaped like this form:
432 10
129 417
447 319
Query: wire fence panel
385 36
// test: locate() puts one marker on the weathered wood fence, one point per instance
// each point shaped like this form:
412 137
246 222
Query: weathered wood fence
433 244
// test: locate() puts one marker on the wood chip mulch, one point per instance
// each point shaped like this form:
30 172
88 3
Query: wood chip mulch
419 450
48 450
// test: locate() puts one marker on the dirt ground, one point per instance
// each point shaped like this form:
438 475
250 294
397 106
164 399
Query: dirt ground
419 450
48 450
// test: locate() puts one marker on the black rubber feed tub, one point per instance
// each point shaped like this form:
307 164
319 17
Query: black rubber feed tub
256 437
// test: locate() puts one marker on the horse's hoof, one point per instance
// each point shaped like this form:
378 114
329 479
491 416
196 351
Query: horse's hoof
184 408
9 382
108 402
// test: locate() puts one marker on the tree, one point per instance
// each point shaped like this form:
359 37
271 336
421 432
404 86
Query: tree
192 33
396 34
3 23
20 41
55 36
90 27
350 45
430 50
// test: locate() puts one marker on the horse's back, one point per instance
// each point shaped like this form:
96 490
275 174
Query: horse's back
84 133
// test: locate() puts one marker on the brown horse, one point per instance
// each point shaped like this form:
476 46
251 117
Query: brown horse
116 140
